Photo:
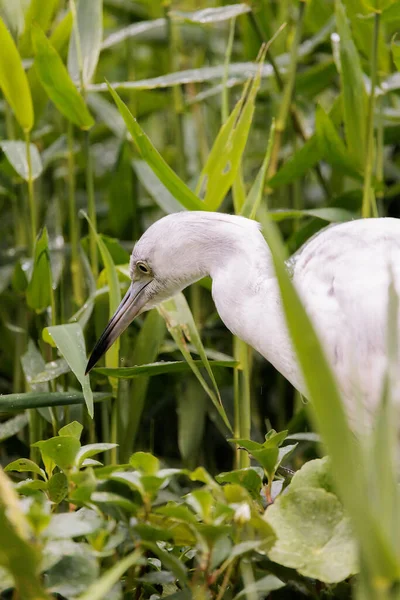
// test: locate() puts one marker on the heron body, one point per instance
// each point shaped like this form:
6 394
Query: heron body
342 276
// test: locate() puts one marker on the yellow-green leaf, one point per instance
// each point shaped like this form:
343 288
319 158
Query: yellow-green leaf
13 80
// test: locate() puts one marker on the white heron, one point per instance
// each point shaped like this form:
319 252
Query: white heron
342 275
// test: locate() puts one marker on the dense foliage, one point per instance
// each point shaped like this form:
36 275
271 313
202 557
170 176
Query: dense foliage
207 480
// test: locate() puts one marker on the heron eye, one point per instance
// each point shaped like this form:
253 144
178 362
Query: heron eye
143 268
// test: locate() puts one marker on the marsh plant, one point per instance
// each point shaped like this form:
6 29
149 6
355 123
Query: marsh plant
184 466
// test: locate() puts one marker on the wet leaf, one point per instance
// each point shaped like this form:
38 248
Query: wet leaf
57 487
24 465
160 368
61 449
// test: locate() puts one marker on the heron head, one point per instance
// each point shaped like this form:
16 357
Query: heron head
163 262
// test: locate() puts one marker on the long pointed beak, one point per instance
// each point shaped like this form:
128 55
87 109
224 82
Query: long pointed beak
129 308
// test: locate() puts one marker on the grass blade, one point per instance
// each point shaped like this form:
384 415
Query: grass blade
147 151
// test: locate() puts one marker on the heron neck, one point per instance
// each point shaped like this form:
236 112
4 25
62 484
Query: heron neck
247 296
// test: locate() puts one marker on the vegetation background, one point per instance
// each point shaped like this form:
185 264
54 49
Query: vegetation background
284 111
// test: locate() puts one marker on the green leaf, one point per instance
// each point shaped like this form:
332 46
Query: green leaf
299 164
314 474
75 429
13 426
17 554
249 478
85 42
181 325
71 344
332 147
57 487
55 79
252 202
169 560
91 450
157 190
16 154
395 46
212 15
74 572
353 90
39 291
145 462
39 14
260 588
24 465
221 168
159 368
100 589
13 81
10 402
150 155
73 524
313 535
61 449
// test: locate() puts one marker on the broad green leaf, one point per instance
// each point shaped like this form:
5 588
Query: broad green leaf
73 572
55 79
212 15
73 524
181 325
17 554
100 589
92 450
13 81
313 535
85 43
71 344
13 426
16 153
299 164
75 429
159 368
353 90
391 13
11 402
62 450
145 462
39 13
221 168
51 371
57 487
250 478
314 474
24 465
150 155
39 292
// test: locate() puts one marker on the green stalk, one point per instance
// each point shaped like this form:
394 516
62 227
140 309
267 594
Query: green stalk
369 207
286 100
31 193
73 222
242 400
91 207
